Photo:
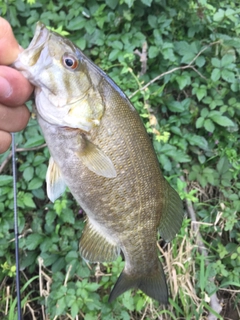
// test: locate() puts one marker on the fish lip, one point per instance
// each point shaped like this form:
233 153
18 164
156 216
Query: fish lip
40 37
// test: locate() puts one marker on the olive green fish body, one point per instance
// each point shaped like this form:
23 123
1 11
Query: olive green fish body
107 160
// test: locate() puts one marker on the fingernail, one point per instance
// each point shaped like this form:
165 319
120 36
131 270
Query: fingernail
5 88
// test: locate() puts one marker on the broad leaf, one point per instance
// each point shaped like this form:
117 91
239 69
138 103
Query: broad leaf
209 125
222 121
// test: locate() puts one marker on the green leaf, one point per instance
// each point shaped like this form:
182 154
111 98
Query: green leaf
60 306
183 81
196 140
38 159
219 15
35 183
46 244
201 92
230 12
28 259
28 173
202 180
200 62
50 217
210 179
216 74
188 51
228 75
93 286
114 54
81 43
158 37
74 309
176 130
128 301
112 4
58 265
152 20
216 63
77 23
49 258
188 57
28 201
71 256
69 217
199 122
33 240
34 141
227 59
209 125
153 52
5 180
204 112
222 121
175 106
117 45
223 165
202 158
147 2
129 2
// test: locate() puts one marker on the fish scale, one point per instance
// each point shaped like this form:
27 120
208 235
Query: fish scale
100 149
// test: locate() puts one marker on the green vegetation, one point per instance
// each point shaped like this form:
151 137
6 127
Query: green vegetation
193 116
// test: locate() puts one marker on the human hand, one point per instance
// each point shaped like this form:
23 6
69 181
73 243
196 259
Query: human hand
14 88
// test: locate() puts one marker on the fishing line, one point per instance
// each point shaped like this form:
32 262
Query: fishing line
14 169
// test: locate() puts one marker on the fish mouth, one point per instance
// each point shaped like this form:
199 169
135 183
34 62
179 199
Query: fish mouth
40 37
29 57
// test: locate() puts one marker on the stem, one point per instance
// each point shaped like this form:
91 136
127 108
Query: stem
190 65
214 302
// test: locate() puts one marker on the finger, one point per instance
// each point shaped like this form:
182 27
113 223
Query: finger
9 48
5 141
15 90
13 119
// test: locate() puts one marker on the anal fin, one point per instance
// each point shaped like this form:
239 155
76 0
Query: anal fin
95 247
55 183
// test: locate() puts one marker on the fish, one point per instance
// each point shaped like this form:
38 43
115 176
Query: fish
101 151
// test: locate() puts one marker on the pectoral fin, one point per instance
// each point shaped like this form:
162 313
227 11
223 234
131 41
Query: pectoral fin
95 247
55 183
96 160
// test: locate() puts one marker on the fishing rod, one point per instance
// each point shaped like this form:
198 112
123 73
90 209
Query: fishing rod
14 170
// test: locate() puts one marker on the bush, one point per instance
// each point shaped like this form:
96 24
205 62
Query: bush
192 115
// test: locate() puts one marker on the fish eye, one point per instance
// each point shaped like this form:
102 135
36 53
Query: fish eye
69 61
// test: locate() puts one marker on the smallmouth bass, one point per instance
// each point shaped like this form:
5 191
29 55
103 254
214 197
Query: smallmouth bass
100 149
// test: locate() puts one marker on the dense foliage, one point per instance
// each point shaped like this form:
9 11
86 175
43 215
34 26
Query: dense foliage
193 116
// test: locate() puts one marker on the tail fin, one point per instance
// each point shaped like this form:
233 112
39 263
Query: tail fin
154 285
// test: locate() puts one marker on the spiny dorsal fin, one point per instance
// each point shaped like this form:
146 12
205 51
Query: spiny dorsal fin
96 160
172 215
55 183
95 247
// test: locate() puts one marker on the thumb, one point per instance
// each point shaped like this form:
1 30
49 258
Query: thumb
9 47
